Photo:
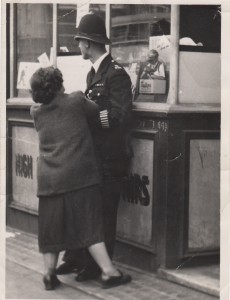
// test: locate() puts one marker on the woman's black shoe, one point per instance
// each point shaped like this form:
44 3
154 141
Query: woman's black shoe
51 282
114 281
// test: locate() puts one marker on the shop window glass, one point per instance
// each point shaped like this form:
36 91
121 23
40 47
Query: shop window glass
200 28
67 22
136 30
34 37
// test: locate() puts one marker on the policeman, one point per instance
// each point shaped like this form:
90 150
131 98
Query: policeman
109 86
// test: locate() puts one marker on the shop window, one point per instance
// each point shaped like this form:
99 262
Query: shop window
200 28
140 34
34 38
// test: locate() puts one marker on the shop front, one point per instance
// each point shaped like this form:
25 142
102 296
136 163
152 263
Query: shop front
169 208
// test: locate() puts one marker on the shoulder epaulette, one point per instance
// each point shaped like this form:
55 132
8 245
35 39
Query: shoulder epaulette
116 66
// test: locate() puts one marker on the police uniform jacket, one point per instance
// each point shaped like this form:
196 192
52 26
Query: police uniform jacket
67 160
111 90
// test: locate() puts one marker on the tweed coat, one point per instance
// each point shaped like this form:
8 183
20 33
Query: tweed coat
66 160
111 90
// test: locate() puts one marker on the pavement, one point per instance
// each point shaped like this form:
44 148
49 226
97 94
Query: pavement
24 269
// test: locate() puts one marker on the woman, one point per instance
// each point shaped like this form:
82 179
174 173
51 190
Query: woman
70 208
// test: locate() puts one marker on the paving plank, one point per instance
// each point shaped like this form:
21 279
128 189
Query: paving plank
23 283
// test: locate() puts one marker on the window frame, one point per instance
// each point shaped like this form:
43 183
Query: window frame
13 49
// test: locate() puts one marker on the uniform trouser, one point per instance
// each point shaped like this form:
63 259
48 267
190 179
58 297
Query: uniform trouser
111 195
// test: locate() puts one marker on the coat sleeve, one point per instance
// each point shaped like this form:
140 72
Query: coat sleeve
120 100
90 108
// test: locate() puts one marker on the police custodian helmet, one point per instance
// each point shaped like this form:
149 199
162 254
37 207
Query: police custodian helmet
92 27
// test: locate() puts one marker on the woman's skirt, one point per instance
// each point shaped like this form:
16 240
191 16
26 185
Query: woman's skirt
70 221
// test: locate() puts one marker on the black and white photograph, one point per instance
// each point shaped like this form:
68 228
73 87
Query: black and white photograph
128 100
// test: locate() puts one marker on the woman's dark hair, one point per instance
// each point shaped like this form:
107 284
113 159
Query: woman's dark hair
45 84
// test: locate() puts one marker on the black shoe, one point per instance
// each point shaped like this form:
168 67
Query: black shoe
66 268
51 282
114 281
87 274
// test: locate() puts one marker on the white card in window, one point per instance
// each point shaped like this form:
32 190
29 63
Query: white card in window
25 71
82 9
64 49
44 60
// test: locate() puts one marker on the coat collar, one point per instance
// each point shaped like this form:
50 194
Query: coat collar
102 69
98 62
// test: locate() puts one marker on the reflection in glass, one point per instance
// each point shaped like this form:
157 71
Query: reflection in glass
200 25
137 29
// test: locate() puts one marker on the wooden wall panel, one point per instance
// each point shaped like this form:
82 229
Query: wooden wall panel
204 194
135 215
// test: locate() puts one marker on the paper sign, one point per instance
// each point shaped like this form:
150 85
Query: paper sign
82 9
44 60
64 49
26 70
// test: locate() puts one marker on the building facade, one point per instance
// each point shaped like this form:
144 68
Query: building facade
169 209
